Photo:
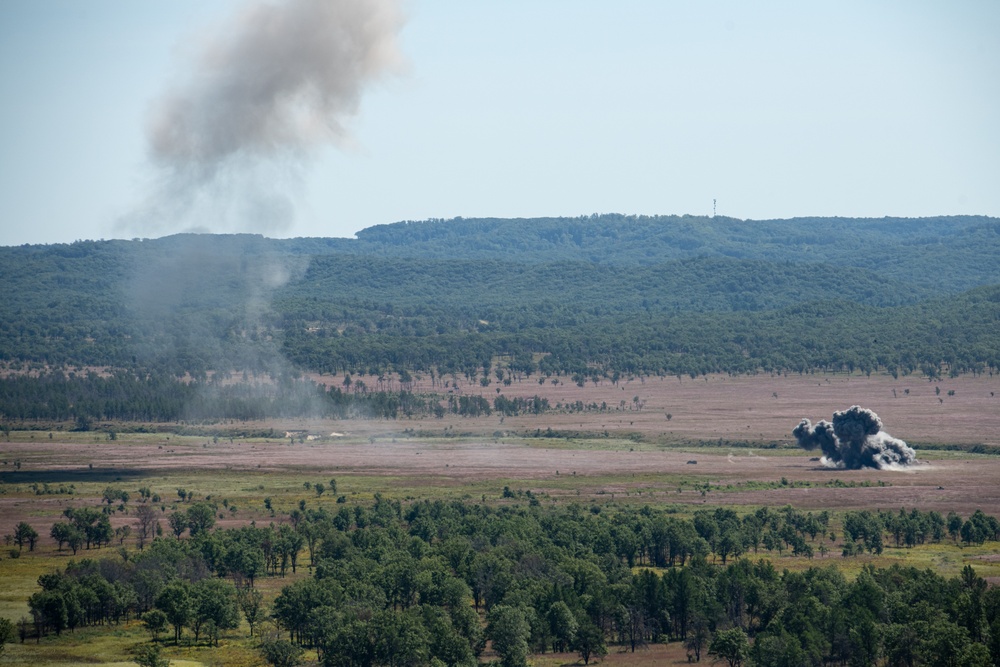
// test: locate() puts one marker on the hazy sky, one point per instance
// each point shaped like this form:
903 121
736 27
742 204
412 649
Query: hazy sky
520 109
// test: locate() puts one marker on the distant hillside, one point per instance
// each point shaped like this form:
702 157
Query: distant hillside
589 295
959 250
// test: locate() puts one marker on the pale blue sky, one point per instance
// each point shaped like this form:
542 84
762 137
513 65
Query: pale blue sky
520 109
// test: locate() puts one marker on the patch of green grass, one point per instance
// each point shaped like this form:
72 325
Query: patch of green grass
111 646
19 577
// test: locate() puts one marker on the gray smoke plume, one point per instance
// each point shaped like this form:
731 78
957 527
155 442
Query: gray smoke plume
854 440
264 93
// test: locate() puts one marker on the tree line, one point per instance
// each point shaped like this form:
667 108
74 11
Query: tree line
437 582
124 397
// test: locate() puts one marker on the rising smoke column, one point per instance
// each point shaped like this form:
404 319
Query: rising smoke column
263 94
854 440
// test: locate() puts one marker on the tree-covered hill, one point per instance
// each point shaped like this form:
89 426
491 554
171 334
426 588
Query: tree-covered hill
587 295
954 250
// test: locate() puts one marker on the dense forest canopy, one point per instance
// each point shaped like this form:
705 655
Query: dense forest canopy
594 295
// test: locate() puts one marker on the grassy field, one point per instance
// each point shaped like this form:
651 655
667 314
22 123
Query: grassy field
726 444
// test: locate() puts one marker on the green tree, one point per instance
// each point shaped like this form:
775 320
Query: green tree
954 525
946 644
147 516
6 633
352 642
148 655
731 645
60 532
25 534
178 523
589 641
866 642
509 630
401 639
175 601
214 602
101 532
75 540
778 649
447 643
48 608
200 518
244 563
900 642
562 625
697 638
280 653
251 603
156 622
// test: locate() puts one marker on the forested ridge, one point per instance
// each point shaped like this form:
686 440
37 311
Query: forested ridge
588 296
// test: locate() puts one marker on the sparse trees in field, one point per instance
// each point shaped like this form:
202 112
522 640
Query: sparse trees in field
112 495
24 534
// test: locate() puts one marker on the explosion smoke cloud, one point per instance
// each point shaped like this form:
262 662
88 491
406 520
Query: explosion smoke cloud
264 93
854 440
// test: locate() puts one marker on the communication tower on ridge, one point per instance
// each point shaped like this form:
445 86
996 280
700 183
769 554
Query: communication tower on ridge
713 207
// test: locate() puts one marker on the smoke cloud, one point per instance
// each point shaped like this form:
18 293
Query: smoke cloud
263 94
854 440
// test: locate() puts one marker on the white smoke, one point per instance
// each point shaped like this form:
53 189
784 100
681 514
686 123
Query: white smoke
264 93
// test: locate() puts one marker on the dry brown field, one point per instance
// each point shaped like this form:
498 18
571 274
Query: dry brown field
759 407
413 457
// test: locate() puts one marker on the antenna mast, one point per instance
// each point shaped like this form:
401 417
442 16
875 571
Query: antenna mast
713 207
